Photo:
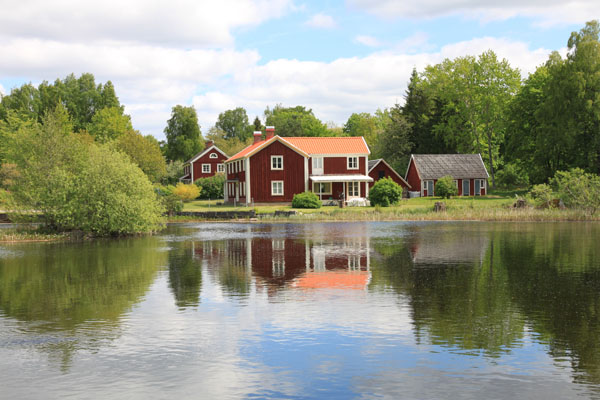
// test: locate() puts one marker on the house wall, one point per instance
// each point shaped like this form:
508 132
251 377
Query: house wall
412 177
240 176
388 173
205 159
339 165
261 174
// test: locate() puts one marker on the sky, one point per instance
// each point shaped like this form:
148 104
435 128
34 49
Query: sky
335 57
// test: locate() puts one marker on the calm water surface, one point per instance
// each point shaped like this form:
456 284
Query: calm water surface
302 311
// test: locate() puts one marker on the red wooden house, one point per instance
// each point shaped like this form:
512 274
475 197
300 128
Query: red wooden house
277 168
469 173
379 169
204 164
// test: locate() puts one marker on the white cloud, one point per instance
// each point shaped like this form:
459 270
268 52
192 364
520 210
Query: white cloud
321 21
179 23
547 12
366 40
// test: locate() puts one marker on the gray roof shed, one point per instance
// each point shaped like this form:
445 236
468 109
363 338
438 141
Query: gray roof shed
459 166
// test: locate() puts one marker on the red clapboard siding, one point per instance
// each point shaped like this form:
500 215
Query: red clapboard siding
339 165
387 173
413 178
261 174
205 159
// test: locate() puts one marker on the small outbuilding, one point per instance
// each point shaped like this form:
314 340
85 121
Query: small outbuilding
379 169
469 173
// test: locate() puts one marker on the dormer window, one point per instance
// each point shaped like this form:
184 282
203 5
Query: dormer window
276 162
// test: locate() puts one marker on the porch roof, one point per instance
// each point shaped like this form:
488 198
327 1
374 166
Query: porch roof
341 178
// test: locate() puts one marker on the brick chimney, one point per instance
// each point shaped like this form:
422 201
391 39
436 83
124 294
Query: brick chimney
257 136
270 132
208 144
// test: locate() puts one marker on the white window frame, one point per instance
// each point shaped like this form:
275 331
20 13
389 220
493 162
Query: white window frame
352 162
274 192
206 168
351 186
317 165
322 183
220 167
273 159
213 155
481 186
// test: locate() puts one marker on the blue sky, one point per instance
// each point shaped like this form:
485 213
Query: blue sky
336 57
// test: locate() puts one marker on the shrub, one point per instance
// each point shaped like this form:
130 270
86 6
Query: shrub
170 201
212 187
512 176
306 200
385 192
76 185
541 194
445 187
186 192
578 189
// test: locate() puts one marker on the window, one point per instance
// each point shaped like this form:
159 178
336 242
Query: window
428 185
276 188
352 162
213 155
381 174
456 183
278 244
276 162
278 264
317 165
206 168
353 189
220 167
322 187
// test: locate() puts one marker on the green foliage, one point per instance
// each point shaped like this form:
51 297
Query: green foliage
174 172
306 200
229 146
109 124
294 121
184 138
169 200
541 194
365 125
445 188
212 187
234 123
186 192
385 192
511 176
77 185
578 189
393 144
144 152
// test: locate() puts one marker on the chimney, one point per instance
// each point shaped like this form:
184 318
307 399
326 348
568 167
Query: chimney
208 144
270 132
257 136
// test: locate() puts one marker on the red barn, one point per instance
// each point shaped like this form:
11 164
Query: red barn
379 169
204 164
277 168
469 173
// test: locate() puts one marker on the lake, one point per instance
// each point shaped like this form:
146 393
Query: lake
363 310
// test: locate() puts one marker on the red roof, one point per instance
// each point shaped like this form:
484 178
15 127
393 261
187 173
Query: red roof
314 145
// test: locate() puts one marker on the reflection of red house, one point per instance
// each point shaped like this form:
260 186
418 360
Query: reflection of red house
334 280
207 163
277 168
379 169
469 173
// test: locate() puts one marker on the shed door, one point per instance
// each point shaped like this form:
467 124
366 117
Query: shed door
477 187
465 188
429 188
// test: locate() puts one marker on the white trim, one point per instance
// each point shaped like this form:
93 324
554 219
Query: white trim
321 170
213 154
306 174
322 183
374 165
202 153
248 189
281 164
394 171
348 162
221 167
481 159
351 184
468 185
273 192
338 155
341 178
366 145
209 168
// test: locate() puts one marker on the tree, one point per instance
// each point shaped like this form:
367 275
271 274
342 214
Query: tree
257 124
108 124
294 121
393 143
144 152
365 125
228 146
78 185
235 124
579 189
184 138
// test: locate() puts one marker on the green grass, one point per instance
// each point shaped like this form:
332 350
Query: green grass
32 235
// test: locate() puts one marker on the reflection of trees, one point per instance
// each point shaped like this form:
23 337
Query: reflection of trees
62 287
185 274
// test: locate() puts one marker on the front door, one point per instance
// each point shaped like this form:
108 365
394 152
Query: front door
477 187
465 187
429 188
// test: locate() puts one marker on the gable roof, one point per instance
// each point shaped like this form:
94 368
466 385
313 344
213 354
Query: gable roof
203 152
373 163
435 166
311 145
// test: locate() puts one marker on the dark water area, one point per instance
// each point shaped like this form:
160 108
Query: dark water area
363 310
